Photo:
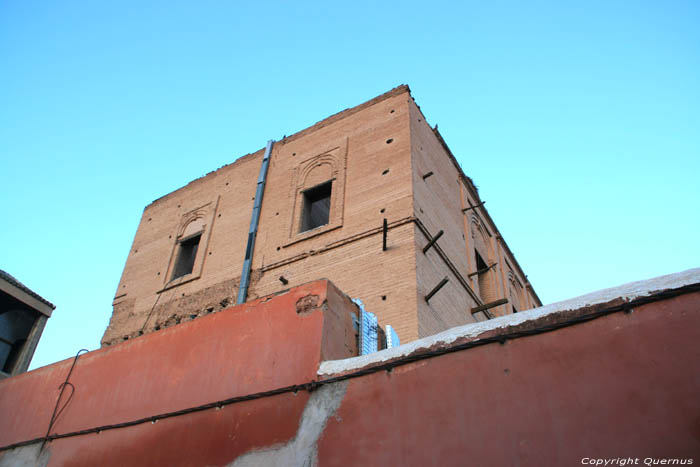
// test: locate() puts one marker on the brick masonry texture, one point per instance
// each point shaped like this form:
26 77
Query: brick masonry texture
375 156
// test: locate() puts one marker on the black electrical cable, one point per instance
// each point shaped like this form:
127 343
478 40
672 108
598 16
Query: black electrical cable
151 312
312 385
62 387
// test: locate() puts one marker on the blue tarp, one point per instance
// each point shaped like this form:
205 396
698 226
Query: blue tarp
392 339
368 329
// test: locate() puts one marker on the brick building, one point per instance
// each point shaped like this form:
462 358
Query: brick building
370 198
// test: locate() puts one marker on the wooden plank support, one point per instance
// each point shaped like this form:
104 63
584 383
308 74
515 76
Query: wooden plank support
474 207
481 271
427 175
385 229
436 288
489 305
461 279
432 241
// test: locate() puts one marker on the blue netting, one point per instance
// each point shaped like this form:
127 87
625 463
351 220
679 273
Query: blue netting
368 329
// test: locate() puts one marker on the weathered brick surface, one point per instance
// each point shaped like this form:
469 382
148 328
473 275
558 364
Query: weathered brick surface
439 202
375 155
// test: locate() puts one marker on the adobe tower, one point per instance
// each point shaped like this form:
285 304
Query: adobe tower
370 198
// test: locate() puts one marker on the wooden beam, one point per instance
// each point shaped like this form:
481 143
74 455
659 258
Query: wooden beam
385 228
474 207
436 288
432 241
462 280
481 271
486 306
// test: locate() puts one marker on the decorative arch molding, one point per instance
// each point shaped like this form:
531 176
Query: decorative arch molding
191 217
515 289
480 235
476 223
326 166
513 279
195 223
315 163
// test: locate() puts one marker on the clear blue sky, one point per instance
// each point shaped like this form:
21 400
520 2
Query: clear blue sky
580 124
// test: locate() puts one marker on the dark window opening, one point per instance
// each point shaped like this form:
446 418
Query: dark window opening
187 252
5 352
480 263
515 310
15 327
317 207
483 278
13 355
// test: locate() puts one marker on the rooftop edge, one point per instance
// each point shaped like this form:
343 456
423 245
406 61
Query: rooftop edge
472 332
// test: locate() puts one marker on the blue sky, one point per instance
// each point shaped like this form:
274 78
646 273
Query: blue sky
578 121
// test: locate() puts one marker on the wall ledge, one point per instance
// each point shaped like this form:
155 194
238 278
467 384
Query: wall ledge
548 315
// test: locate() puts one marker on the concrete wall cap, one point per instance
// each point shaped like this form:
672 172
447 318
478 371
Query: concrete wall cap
627 292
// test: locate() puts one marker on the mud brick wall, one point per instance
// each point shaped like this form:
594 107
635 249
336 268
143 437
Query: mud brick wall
441 193
374 155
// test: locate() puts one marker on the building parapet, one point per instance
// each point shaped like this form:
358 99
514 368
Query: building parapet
548 317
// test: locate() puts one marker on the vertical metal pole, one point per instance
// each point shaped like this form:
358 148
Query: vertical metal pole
253 231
